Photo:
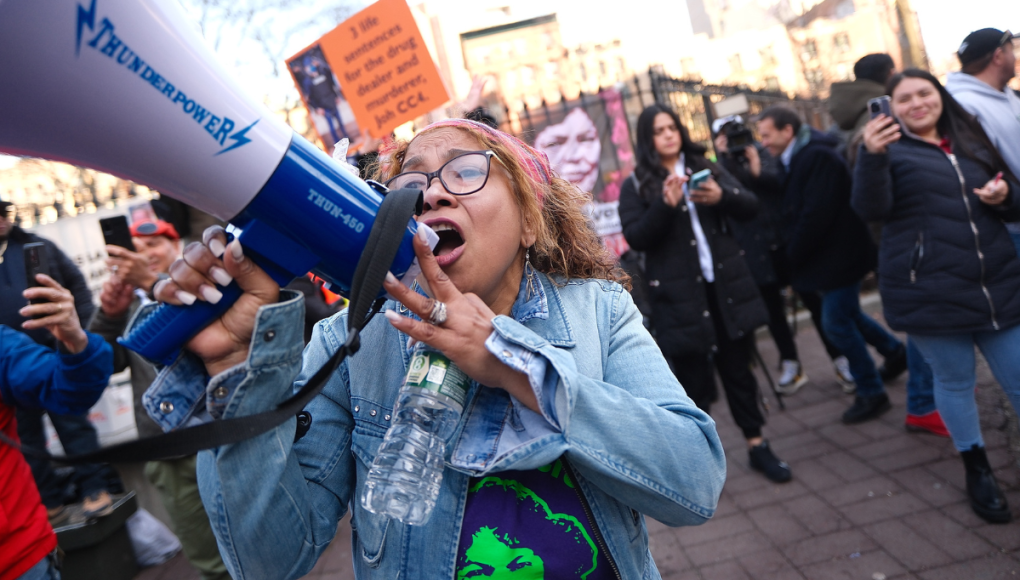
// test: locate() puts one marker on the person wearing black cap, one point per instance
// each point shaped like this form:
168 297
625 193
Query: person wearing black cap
988 62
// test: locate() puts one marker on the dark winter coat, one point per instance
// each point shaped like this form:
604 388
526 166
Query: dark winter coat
760 237
947 264
828 245
676 287
13 283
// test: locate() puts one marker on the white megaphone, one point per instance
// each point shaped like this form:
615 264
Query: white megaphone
129 88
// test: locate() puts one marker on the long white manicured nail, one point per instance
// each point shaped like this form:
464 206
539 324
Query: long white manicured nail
391 278
211 295
422 235
236 250
392 316
217 247
220 275
411 342
186 297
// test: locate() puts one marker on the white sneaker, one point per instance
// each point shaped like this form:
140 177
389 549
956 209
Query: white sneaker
846 380
792 378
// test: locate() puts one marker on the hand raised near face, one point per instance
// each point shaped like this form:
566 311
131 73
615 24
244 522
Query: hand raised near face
462 336
879 133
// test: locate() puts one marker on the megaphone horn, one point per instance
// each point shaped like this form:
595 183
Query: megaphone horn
129 88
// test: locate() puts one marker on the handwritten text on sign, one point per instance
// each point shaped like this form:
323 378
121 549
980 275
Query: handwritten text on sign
384 66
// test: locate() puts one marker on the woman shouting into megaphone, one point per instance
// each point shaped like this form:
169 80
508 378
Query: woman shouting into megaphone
573 427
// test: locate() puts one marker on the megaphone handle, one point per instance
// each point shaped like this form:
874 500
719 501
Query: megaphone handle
161 335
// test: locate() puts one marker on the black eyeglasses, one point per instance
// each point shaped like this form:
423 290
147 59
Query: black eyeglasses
462 175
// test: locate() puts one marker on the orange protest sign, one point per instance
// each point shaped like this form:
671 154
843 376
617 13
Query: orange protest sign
385 70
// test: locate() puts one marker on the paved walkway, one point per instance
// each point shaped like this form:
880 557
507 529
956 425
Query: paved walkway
869 502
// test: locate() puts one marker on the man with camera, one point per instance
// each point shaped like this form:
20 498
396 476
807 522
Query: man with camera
76 432
764 245
830 250
65 382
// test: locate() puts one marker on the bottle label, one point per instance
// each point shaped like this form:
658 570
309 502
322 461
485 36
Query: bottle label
434 372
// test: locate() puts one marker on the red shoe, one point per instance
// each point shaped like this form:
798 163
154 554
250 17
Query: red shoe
930 423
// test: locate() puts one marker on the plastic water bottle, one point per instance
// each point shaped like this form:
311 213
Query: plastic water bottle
403 482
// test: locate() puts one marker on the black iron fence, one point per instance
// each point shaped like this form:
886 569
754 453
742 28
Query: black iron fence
691 99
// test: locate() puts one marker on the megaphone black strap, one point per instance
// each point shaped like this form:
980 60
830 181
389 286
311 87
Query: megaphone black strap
380 249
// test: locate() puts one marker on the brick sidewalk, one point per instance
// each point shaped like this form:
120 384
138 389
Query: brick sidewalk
869 502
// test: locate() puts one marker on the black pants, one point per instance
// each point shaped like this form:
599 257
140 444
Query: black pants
779 327
696 372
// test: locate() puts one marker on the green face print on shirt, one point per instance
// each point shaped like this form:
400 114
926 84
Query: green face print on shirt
496 554
493 557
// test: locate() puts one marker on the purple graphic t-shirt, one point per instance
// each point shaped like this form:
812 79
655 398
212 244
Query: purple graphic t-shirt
529 525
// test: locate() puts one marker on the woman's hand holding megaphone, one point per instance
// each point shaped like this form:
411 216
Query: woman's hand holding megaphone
225 342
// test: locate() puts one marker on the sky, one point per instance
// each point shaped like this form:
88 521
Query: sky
645 39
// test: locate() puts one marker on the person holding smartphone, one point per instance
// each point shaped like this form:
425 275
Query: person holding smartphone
705 302
32 376
76 432
948 270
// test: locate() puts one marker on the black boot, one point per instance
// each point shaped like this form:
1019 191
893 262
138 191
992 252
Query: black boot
985 498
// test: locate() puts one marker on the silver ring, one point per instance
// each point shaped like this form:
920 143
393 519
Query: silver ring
438 314
60 306
114 268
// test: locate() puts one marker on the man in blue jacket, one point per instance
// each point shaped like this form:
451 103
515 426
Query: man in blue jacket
34 376
830 250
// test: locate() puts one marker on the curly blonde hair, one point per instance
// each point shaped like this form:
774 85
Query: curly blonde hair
565 244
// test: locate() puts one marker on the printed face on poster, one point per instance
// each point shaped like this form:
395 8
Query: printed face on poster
375 67
588 144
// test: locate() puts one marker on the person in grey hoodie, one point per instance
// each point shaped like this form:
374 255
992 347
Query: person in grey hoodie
988 62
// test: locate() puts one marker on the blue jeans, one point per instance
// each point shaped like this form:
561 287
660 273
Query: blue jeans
952 362
920 383
43 570
851 331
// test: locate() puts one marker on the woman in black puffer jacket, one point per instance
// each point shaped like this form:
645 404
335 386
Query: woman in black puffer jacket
948 270
705 303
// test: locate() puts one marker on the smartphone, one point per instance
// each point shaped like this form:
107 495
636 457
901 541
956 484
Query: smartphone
879 106
36 262
699 178
116 232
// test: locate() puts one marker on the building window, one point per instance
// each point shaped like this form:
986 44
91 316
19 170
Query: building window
768 56
772 84
810 51
736 67
815 78
584 72
602 67
842 42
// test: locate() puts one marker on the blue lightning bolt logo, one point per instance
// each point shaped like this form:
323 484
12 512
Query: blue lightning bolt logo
85 18
240 138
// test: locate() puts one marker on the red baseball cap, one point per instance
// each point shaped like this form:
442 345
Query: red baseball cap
157 228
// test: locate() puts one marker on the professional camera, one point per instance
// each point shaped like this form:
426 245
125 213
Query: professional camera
738 137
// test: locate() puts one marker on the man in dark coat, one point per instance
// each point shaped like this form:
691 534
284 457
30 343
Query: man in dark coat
77 434
830 250
705 303
764 243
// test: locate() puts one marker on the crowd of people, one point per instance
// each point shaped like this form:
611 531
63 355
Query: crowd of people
570 382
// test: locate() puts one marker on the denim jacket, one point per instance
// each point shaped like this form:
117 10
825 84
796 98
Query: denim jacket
610 406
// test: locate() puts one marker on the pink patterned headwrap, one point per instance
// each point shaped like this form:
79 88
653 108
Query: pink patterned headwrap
534 162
